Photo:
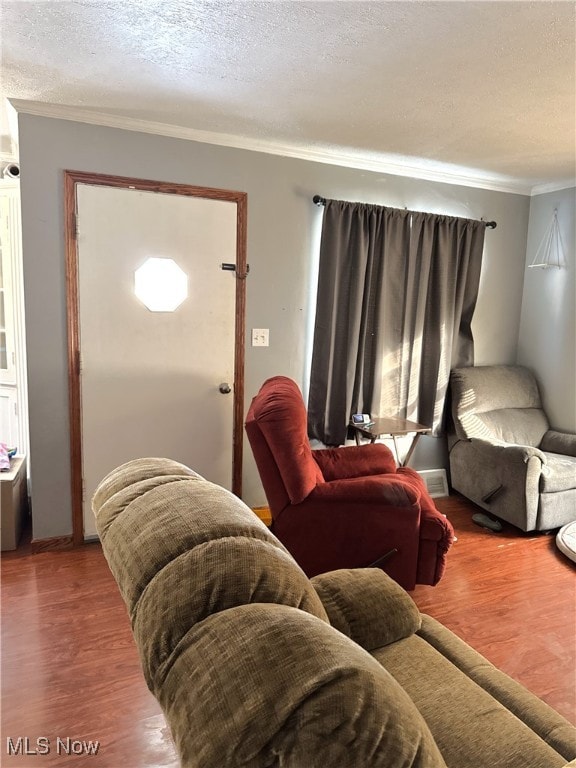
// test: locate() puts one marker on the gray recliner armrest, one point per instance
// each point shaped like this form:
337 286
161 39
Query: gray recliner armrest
366 605
503 478
563 443
509 451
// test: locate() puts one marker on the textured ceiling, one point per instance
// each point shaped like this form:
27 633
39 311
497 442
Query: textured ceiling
486 88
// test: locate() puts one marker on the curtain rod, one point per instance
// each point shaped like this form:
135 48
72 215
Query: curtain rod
322 201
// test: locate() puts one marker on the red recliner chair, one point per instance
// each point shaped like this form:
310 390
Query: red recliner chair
345 507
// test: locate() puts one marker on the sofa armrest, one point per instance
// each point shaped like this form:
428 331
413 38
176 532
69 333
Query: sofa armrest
506 451
563 443
367 606
354 461
502 478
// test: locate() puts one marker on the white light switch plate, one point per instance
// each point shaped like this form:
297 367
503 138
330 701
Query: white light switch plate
260 337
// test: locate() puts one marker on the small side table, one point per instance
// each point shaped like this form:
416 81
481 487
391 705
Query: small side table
391 427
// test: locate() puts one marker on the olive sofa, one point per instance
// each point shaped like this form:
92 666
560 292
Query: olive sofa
256 665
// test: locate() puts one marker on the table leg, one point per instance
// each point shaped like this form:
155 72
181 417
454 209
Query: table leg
411 449
396 451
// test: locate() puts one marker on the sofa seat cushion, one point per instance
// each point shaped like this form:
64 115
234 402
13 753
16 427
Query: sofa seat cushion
471 728
538 716
558 474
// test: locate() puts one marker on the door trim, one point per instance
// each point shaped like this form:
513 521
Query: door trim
71 179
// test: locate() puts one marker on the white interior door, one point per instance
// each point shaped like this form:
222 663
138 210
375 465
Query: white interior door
149 380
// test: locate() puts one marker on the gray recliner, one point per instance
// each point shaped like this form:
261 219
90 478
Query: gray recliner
503 454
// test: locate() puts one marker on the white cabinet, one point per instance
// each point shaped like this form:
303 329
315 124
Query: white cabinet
7 335
8 416
13 404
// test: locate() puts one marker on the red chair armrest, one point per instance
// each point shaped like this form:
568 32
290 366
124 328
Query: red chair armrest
376 489
354 461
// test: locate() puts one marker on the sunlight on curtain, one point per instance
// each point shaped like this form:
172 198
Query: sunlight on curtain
396 294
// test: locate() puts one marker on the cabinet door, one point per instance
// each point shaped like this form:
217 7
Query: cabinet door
8 417
7 356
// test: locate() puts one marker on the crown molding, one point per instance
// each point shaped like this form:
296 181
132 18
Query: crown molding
542 189
345 157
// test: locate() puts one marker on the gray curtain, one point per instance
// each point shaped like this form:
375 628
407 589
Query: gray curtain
396 295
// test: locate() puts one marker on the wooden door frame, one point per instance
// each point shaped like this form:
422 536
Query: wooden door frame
71 180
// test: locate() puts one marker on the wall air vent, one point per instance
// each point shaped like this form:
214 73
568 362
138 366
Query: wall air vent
436 482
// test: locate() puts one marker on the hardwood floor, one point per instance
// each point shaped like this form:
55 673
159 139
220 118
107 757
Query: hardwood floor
70 667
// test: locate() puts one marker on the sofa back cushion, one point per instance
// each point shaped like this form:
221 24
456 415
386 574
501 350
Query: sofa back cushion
268 685
234 640
162 525
277 415
497 402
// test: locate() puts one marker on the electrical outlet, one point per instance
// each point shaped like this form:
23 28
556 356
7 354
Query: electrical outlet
260 337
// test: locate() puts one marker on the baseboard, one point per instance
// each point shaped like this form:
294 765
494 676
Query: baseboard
49 545
264 514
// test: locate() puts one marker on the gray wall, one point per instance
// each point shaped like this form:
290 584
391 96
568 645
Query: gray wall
547 340
283 228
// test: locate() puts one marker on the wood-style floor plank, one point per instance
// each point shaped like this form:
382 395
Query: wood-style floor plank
70 667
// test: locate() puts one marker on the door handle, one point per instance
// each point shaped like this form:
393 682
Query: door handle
225 388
